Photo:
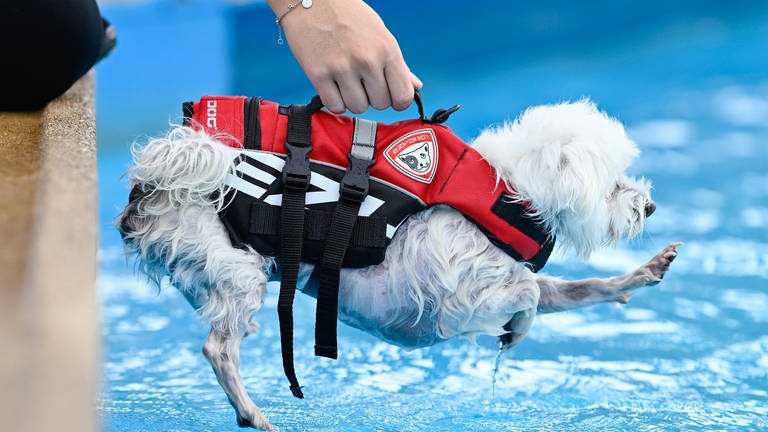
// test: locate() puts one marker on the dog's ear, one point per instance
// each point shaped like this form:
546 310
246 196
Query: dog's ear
561 158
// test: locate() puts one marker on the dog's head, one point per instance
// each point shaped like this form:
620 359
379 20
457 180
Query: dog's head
568 162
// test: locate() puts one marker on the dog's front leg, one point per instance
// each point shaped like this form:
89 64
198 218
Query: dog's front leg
223 353
559 295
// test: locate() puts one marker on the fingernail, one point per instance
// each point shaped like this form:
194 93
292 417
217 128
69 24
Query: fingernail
416 81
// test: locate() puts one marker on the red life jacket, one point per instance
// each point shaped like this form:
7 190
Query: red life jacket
417 164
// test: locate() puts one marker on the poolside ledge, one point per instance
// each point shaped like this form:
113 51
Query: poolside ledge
49 364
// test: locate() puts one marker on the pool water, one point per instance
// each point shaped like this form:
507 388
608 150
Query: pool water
690 82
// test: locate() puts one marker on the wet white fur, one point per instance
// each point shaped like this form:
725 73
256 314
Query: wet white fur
441 277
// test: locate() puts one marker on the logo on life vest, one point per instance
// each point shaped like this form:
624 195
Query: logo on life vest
210 114
415 155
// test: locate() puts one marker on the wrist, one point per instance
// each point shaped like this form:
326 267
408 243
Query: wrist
290 7
321 13
278 6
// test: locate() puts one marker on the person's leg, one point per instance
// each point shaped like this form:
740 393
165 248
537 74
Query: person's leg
45 46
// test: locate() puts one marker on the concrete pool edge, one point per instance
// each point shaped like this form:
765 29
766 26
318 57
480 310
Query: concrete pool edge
49 226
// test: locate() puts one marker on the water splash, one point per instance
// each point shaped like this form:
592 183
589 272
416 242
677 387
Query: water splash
496 361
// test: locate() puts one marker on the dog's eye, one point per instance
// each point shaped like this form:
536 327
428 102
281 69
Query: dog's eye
423 156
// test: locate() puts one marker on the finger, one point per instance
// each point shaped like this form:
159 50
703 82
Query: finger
400 86
331 96
376 88
352 93
417 84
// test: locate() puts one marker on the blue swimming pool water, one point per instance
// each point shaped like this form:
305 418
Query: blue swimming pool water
689 80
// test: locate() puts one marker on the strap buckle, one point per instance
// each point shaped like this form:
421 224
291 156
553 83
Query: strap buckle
354 185
296 172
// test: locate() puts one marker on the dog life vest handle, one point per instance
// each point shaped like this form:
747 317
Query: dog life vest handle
295 178
352 192
439 116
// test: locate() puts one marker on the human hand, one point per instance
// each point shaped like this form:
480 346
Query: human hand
348 54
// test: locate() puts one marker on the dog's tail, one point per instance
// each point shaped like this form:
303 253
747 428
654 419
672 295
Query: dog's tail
190 165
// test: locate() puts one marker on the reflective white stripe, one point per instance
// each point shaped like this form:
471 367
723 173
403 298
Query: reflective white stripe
244 186
275 200
370 205
328 194
363 139
266 158
390 231
256 173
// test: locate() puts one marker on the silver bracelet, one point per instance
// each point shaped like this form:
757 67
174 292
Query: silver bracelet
306 4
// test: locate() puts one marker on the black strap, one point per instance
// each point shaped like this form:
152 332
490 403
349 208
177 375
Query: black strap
296 177
252 125
419 105
517 215
352 190
189 111
314 105
369 232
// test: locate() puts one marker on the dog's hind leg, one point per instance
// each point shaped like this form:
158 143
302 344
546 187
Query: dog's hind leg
226 286
558 295
223 353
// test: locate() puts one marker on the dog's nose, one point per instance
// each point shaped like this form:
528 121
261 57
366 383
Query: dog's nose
650 208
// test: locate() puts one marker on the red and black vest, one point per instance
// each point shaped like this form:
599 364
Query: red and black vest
417 164
332 190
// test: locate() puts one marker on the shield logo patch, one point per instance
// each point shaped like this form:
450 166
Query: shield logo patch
415 155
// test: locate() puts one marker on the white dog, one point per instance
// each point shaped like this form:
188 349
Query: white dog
441 276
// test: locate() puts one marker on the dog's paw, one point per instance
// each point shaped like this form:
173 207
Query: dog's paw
255 420
655 269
